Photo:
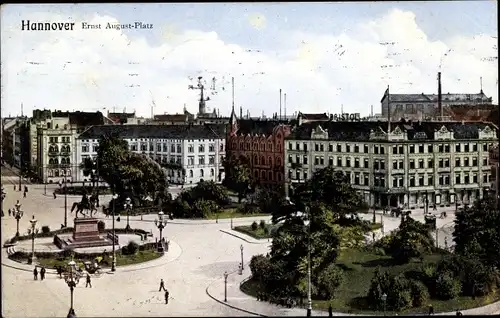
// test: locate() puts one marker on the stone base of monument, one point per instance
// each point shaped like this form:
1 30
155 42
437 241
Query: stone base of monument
85 234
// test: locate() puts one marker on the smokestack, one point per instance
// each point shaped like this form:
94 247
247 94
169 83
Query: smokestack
241 112
371 111
440 101
280 103
284 104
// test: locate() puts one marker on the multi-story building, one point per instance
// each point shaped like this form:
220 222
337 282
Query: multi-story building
56 156
425 106
445 161
190 153
9 126
261 143
495 170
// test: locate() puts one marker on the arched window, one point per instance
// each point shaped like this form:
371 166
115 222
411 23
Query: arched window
248 146
212 172
56 148
255 160
63 161
262 160
50 173
270 146
68 172
51 161
278 161
56 173
263 175
256 174
270 161
202 173
241 145
190 173
68 161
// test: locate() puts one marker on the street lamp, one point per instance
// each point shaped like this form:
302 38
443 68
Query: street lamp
128 206
241 249
71 280
307 223
225 286
384 299
113 264
18 214
33 231
160 223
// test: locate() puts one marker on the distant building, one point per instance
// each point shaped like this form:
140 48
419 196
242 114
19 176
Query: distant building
123 118
425 106
189 153
398 163
260 143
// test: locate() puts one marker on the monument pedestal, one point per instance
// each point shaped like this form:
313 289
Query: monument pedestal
85 234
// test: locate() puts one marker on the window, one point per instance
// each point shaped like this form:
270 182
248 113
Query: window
394 182
356 162
485 161
474 147
365 148
457 162
151 147
376 165
375 150
278 161
211 160
211 147
321 147
179 148
330 148
401 182
412 148
339 162
430 180
190 160
382 150
441 163
485 147
322 160
429 148
347 148
190 173
420 180
202 173
394 150
305 175
412 181
305 146
466 162
262 160
297 146
446 163
212 172
290 146
466 148
446 148
330 161
290 174
366 179
401 164
401 150
316 147
144 146
172 148
85 148
339 148
158 147
430 163
382 165
356 149
457 148
304 160
420 163
356 178
297 175
290 159
474 178
412 164
457 178
316 161
440 148
466 178
348 162
421 148
474 161
270 161
366 163
95 147
394 164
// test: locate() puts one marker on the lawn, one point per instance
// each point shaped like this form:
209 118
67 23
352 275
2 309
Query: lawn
258 234
232 213
121 260
359 268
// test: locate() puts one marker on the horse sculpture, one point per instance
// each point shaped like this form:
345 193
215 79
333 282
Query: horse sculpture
85 204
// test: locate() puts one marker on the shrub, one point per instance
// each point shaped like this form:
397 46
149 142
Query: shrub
267 230
132 247
101 226
399 295
259 265
329 281
45 229
125 250
262 224
419 293
380 284
254 226
447 287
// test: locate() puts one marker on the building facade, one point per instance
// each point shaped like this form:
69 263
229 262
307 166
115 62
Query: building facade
425 106
261 144
189 153
443 161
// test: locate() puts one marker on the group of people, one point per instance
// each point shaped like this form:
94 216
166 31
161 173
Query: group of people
162 287
42 273
25 190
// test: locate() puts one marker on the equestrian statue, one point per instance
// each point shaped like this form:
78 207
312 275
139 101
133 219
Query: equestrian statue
85 204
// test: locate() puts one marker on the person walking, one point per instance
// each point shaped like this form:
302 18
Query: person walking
162 285
35 273
88 281
54 193
10 212
24 194
166 297
42 273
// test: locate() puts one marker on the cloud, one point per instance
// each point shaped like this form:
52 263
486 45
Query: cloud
112 69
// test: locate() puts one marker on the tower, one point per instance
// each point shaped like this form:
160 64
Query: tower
233 121
202 100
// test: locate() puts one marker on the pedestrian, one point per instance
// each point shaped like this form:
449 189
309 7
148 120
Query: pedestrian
330 311
459 313
434 208
10 212
42 273
162 285
88 281
431 310
35 273
166 297
14 187
26 189
24 194
59 271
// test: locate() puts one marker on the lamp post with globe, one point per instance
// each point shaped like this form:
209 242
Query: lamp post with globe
113 264
128 206
161 223
18 214
71 280
33 231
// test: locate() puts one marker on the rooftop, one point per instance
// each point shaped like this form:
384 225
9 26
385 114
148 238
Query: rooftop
258 127
448 97
208 131
360 131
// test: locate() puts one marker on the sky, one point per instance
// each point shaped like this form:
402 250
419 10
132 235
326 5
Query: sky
326 57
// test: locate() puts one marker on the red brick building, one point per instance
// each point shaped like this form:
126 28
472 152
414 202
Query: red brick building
260 143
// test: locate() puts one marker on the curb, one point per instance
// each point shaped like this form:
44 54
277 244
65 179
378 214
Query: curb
229 305
244 239
139 266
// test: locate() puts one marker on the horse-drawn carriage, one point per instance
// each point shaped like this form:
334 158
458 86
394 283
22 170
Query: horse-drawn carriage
430 221
94 268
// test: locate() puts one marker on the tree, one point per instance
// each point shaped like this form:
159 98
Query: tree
329 281
200 201
411 240
238 176
477 232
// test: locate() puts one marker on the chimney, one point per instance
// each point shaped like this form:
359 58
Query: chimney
280 103
440 97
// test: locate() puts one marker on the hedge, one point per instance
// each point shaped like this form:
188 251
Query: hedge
39 235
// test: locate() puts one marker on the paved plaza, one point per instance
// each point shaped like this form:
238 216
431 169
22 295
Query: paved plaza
200 252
